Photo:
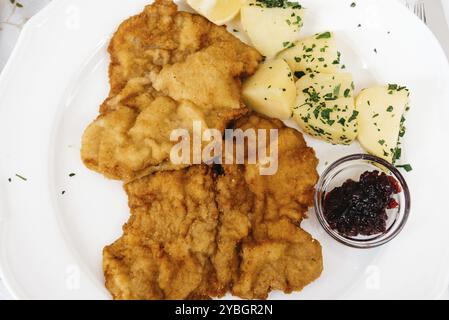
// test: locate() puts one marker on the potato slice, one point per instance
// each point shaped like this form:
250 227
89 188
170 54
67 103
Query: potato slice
325 107
271 91
380 120
315 54
272 29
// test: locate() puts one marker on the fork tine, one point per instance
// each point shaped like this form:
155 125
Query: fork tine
417 10
424 14
420 10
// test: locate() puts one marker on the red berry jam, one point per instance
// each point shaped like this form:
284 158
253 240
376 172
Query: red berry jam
360 208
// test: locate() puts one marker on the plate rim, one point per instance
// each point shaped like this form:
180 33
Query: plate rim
32 26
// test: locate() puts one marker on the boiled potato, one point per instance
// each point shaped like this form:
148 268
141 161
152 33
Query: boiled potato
381 119
272 27
325 107
271 90
315 54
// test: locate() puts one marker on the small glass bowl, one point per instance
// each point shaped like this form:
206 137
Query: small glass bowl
351 167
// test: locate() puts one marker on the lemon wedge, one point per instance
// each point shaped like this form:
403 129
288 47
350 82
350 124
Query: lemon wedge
217 11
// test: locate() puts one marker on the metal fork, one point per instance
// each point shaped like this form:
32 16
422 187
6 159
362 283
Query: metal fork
418 8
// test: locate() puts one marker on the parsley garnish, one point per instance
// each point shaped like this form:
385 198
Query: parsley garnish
353 116
299 74
21 177
337 90
325 35
397 154
277 4
395 87
406 167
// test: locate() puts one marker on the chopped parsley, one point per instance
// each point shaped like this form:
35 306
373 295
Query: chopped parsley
337 61
330 96
21 177
395 87
397 152
406 167
299 74
288 44
353 116
277 4
325 35
402 127
337 90
325 114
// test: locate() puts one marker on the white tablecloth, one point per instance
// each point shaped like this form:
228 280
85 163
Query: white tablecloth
13 17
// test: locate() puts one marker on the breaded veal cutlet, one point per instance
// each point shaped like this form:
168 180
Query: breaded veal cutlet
168 68
200 232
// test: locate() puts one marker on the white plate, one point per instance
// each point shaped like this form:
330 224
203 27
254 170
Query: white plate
51 244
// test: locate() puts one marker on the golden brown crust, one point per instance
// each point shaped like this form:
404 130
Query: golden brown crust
161 35
164 252
151 50
245 236
253 207
288 259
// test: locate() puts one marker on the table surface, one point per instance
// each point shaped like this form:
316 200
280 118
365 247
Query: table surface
13 17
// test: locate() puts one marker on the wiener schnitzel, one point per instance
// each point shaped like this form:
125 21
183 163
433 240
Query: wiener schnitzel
259 214
168 69
201 232
164 252
163 36
288 260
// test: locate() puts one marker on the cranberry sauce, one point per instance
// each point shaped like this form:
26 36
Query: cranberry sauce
360 208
